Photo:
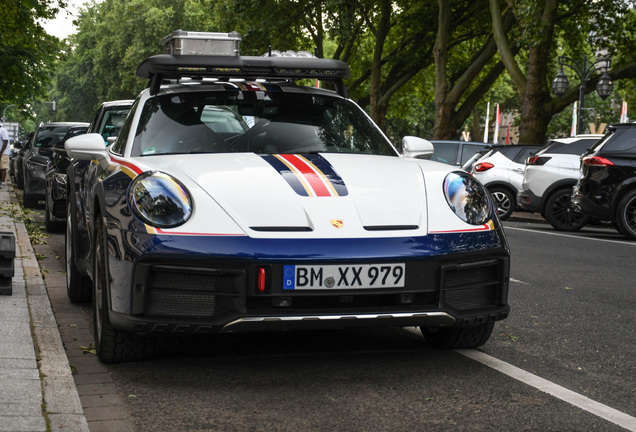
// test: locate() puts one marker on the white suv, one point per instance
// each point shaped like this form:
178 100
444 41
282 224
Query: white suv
501 171
549 178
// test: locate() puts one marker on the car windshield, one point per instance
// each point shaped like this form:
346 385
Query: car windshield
49 135
255 121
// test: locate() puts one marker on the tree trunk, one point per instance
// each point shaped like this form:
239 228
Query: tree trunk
381 34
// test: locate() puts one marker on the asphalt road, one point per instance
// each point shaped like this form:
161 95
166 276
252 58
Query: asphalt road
572 323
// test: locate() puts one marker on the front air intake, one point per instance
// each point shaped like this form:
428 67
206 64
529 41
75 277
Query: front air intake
184 291
473 285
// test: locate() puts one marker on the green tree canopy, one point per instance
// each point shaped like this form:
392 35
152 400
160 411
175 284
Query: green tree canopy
27 52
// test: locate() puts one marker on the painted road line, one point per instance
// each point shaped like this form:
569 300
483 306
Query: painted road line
571 236
585 403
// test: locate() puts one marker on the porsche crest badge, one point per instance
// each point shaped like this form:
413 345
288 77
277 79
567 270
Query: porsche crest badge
337 223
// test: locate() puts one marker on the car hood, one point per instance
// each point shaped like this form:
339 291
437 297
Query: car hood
342 195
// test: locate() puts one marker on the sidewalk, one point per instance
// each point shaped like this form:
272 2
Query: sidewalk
36 383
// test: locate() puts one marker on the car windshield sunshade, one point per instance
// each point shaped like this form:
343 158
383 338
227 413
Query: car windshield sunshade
263 122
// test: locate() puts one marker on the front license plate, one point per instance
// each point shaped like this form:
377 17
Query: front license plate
301 277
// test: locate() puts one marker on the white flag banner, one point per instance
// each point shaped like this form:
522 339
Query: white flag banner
624 112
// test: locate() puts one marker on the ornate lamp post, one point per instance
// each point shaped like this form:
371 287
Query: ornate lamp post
584 70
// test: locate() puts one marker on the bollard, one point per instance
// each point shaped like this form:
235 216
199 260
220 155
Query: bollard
7 256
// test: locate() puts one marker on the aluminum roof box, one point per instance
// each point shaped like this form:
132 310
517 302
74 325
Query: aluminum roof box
181 42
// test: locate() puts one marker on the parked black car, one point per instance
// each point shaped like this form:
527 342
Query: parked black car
456 152
37 158
55 177
16 164
606 189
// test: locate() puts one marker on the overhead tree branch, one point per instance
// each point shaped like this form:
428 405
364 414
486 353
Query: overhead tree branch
508 59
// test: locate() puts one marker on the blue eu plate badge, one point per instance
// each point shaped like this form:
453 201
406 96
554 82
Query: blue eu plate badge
289 277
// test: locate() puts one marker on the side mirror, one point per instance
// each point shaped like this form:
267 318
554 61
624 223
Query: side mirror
110 140
17 145
418 148
88 147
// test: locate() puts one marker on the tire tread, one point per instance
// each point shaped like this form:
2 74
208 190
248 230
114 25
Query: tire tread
458 337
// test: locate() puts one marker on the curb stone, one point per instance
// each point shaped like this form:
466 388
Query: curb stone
22 409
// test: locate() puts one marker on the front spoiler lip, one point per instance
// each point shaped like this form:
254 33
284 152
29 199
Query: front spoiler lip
261 323
158 326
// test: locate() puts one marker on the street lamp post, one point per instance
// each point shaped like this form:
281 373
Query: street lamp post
584 70
5 110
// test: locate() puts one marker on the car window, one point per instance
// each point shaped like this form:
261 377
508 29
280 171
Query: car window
445 152
510 151
118 146
468 166
112 122
622 142
469 150
576 148
525 154
283 122
47 136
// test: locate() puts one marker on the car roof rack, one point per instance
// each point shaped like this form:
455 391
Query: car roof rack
169 66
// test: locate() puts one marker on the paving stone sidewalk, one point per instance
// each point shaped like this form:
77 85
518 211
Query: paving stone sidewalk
36 381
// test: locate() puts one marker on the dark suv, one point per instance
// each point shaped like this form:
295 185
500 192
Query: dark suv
607 187
37 159
107 121
55 200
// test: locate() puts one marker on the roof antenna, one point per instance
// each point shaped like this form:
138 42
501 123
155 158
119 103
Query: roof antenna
255 53
270 50
315 51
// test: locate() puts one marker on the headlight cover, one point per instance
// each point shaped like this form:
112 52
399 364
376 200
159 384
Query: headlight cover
160 200
467 198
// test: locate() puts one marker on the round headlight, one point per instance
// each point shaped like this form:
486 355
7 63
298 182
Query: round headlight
160 200
467 198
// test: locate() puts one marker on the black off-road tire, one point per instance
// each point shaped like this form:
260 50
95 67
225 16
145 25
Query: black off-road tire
52 226
112 345
504 201
79 288
30 201
626 215
457 337
560 213
19 180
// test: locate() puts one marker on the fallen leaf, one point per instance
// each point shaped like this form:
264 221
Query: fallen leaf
90 349
72 325
132 396
568 288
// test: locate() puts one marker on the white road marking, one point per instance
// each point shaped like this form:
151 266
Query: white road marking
571 236
518 281
603 411
598 409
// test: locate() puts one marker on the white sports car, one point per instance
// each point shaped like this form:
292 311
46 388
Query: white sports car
236 200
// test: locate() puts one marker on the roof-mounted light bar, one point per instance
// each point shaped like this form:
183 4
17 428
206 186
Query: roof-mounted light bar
168 66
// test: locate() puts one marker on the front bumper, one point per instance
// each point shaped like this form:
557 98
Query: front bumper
167 293
529 201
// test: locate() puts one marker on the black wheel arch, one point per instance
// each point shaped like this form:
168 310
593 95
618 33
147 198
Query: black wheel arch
626 187
561 184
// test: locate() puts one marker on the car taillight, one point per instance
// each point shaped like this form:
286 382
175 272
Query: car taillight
483 166
597 161
537 160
